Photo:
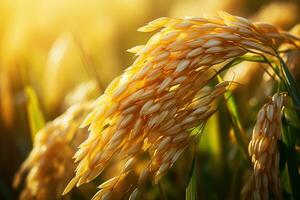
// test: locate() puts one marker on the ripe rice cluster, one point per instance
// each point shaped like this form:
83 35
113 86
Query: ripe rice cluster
49 165
264 153
153 105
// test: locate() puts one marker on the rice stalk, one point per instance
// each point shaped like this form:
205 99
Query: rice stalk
244 72
155 103
235 120
264 153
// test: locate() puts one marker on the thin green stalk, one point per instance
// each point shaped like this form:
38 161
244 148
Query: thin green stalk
191 186
290 154
289 133
191 189
260 58
234 118
292 86
236 124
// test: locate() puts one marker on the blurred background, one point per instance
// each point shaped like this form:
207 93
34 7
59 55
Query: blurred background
52 46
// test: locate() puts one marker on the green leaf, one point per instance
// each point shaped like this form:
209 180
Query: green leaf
35 116
290 127
191 190
290 154
291 117
235 121
291 83
211 141
232 63
255 58
247 57
197 131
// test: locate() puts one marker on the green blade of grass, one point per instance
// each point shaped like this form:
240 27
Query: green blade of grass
211 141
290 124
35 116
247 57
232 63
288 139
291 83
292 118
191 190
231 104
235 121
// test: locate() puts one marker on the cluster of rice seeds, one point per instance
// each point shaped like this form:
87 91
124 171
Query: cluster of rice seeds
127 181
148 98
164 135
263 149
49 170
212 34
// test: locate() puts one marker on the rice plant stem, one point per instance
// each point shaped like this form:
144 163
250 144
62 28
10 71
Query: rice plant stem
236 125
291 158
274 69
291 84
235 121
191 189
289 136
263 59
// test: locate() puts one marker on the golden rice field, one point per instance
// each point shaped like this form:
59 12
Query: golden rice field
205 105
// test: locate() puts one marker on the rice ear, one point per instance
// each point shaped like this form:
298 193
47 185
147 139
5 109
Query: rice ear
264 152
167 76
50 165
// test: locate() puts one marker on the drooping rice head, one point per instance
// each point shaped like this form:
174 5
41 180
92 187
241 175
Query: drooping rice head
151 106
50 165
264 153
